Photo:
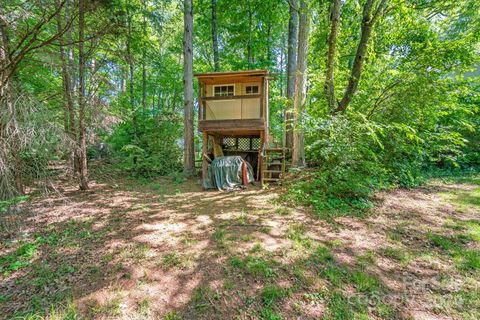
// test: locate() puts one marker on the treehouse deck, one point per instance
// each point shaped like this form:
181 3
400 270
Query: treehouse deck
233 116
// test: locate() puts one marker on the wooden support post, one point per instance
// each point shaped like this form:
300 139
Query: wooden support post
204 151
266 112
204 103
260 158
200 102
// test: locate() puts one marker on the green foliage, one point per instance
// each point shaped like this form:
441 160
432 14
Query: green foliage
150 150
338 307
20 258
271 294
255 266
5 205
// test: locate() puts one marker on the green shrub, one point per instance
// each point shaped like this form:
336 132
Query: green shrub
354 156
152 149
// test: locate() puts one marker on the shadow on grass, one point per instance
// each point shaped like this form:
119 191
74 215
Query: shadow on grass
174 251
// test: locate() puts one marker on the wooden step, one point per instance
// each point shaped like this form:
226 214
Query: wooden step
272 171
275 149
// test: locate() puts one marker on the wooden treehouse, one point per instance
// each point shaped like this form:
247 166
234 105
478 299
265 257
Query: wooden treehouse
233 117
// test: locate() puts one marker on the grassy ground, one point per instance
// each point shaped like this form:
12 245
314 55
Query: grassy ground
164 249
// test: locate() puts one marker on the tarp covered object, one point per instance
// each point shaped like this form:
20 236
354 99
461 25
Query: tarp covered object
227 173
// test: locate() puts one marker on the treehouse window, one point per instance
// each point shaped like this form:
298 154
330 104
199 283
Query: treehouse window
224 90
251 89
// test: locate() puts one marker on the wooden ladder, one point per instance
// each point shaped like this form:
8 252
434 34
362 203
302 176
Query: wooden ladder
273 164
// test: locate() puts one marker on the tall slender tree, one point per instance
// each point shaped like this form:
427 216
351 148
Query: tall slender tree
291 67
371 12
298 153
10 160
82 149
68 94
189 151
216 57
131 68
144 57
332 45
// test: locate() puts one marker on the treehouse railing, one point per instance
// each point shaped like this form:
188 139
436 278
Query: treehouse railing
231 107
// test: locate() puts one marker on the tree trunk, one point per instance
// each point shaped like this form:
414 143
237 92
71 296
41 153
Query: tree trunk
291 67
72 74
282 65
69 125
216 58
332 43
250 39
189 151
10 159
144 58
368 21
131 69
298 154
82 150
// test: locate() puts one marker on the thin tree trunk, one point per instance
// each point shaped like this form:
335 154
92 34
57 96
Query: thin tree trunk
144 58
216 58
189 151
131 75
369 18
298 154
332 43
123 80
72 80
291 67
83 170
282 64
250 40
67 91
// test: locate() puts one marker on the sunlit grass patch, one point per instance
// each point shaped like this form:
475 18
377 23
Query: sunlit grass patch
384 311
447 243
255 266
297 233
135 252
464 200
456 246
338 307
268 314
219 236
398 254
144 306
67 310
336 275
271 294
256 248
282 211
172 315
462 304
171 260
321 255
111 308
140 252
366 259
365 282
468 260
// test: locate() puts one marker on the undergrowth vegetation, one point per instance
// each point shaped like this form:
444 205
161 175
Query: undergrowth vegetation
152 148
353 156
